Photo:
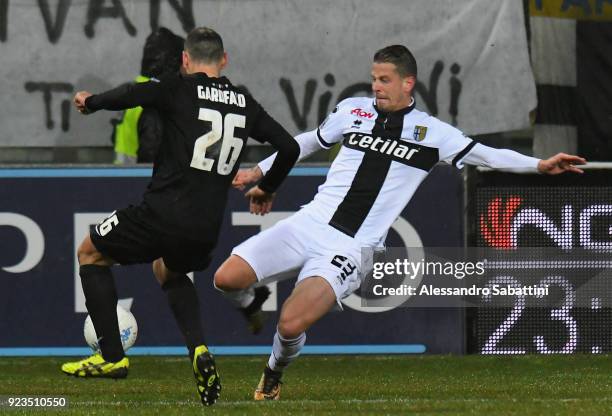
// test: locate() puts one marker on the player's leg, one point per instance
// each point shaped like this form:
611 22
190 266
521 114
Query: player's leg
235 274
184 303
311 299
101 301
180 257
101 298
337 274
235 278
120 238
266 255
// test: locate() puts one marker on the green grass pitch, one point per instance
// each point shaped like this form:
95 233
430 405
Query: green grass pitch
332 385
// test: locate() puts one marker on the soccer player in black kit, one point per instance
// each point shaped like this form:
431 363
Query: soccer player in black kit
206 125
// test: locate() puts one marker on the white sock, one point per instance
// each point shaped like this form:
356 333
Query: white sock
239 298
285 350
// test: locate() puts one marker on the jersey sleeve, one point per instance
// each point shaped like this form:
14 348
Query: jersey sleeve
331 129
266 129
151 93
501 159
454 145
308 143
458 149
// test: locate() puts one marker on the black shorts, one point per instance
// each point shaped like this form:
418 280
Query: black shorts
134 235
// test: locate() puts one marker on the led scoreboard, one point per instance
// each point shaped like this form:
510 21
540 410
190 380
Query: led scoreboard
549 231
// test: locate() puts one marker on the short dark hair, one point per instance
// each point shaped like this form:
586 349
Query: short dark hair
204 45
400 56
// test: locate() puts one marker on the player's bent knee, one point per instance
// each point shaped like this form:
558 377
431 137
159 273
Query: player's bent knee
87 252
96 258
291 328
158 271
225 281
234 274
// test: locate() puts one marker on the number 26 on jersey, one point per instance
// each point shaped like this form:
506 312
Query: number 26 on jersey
221 129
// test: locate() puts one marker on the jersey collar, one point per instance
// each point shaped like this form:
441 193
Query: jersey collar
401 112
222 79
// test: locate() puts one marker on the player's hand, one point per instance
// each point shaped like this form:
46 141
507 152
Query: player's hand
246 177
260 201
79 101
560 163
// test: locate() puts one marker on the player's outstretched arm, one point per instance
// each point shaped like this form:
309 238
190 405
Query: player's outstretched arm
561 162
511 161
120 98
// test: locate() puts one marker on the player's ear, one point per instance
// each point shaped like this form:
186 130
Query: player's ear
224 61
408 84
185 60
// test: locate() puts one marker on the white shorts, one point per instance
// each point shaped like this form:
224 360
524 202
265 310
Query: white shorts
307 247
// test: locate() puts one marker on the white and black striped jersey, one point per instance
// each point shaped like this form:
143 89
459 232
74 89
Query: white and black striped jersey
383 159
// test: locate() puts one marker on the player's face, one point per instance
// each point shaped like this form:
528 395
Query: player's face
392 92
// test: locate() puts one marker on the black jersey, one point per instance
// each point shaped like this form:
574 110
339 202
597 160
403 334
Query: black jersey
206 125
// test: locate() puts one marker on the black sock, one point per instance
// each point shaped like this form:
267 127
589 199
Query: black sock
101 300
183 300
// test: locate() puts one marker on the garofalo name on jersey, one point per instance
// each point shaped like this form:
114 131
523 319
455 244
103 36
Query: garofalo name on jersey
414 155
221 96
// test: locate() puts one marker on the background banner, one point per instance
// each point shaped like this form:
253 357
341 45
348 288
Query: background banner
45 214
570 52
298 58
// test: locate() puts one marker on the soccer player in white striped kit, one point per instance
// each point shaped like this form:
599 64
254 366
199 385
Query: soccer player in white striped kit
388 148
